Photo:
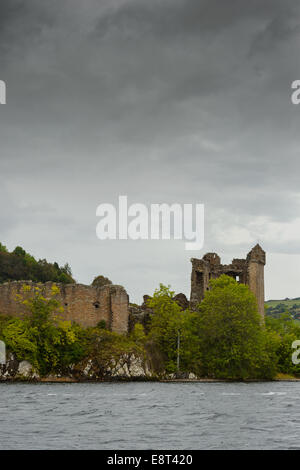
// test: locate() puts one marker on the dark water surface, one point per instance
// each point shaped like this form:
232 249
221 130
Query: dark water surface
150 416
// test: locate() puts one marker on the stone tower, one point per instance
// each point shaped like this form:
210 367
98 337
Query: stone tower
248 271
256 260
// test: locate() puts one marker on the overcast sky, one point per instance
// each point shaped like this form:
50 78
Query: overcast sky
162 101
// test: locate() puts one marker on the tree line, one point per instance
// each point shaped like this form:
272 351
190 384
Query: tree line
19 265
225 338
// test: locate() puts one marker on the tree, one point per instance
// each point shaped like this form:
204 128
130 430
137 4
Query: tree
20 265
3 248
168 320
233 341
101 281
54 345
64 278
19 251
107 349
138 334
67 269
20 338
283 331
55 341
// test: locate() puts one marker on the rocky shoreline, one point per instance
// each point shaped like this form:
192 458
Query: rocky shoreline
128 368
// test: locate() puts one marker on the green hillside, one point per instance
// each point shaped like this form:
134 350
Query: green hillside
19 265
275 308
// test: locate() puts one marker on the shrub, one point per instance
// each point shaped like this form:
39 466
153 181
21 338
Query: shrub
233 342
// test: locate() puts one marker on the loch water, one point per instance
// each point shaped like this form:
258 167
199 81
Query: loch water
150 415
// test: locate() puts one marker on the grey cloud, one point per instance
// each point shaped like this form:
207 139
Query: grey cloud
174 101
177 17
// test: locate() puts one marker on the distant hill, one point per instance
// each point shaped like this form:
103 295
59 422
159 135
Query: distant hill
19 265
276 307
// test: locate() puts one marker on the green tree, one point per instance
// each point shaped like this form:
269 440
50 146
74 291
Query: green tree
105 349
233 341
52 344
20 265
167 322
19 251
3 248
64 278
67 269
56 340
138 334
283 331
101 281
20 338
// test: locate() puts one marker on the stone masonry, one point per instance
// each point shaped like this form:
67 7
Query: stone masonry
248 271
85 305
88 305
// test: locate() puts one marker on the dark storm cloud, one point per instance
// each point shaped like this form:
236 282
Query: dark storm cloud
20 21
184 18
165 101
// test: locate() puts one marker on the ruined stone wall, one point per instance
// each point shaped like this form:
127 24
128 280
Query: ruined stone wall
249 271
85 305
119 309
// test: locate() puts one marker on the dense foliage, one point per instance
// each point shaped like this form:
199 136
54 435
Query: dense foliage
19 265
232 340
225 338
282 332
174 331
53 345
101 281
275 308
42 337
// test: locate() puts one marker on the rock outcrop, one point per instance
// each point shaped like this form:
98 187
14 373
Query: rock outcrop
128 367
182 301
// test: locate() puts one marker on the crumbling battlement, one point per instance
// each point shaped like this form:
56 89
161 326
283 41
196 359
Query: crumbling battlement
88 305
248 271
85 305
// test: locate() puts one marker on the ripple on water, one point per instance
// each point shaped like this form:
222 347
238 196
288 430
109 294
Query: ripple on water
143 415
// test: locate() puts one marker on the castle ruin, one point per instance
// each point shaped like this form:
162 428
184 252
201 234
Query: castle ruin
89 305
85 305
249 271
